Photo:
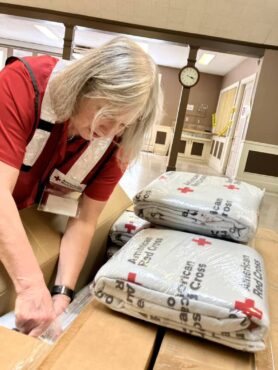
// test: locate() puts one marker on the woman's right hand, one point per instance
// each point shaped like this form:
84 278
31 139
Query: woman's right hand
34 309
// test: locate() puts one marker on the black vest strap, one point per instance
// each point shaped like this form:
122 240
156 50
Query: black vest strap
45 126
12 59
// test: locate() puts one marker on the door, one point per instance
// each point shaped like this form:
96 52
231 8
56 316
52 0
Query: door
225 113
240 130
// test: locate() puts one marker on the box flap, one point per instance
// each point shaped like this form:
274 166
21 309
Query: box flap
15 347
181 351
102 339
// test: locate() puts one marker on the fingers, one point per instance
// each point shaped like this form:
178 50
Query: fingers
35 326
34 311
36 332
60 303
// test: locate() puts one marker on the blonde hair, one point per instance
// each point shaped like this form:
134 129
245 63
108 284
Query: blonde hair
126 76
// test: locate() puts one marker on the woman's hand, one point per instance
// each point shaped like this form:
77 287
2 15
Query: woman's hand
60 303
34 310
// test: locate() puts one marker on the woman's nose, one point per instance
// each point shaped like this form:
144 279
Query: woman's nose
106 129
110 128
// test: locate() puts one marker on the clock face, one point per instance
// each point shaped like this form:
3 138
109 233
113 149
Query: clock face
189 76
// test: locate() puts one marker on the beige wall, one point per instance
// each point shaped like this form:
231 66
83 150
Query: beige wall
172 90
248 20
205 92
263 124
244 69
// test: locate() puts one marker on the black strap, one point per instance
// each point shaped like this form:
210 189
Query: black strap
62 289
45 126
12 59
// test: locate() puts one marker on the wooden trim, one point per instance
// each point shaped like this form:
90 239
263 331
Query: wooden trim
68 41
202 41
181 115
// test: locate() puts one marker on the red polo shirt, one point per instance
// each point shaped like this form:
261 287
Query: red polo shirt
17 116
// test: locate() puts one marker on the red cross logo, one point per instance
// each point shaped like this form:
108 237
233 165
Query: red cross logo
201 241
248 307
162 177
231 187
131 277
185 190
57 178
130 227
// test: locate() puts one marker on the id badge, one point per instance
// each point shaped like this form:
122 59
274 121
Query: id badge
60 196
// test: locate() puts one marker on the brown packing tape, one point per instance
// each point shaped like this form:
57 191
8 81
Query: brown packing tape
181 351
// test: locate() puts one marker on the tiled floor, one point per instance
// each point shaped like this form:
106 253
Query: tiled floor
150 166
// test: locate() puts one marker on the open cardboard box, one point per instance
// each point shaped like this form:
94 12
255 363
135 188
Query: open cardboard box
98 339
44 231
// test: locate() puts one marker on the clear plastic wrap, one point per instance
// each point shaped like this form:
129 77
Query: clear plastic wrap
55 331
208 205
207 287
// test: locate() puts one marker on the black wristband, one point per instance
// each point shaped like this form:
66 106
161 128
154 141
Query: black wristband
62 289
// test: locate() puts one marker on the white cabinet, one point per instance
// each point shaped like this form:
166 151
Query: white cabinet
194 148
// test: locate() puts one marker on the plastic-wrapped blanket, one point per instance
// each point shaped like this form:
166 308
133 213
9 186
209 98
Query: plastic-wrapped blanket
208 205
127 225
207 287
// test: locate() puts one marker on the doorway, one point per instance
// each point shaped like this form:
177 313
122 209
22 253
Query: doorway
245 104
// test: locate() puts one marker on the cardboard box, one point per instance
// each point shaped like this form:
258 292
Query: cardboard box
102 339
98 339
181 352
44 231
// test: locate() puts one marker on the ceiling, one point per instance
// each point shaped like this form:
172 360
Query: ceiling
21 32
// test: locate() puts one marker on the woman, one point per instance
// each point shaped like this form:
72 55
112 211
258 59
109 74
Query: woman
67 129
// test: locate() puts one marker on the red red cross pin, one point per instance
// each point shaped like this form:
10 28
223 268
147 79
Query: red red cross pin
57 178
185 190
201 241
130 227
231 187
248 307
162 177
131 277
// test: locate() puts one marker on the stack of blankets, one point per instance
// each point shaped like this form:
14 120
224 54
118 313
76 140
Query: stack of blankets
209 205
201 283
